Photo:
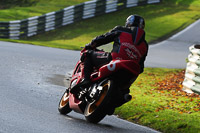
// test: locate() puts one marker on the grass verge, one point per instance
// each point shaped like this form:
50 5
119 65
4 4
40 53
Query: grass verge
158 102
38 9
162 20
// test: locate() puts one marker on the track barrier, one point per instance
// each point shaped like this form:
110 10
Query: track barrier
50 21
192 74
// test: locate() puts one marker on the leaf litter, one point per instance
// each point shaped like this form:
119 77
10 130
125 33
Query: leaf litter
177 99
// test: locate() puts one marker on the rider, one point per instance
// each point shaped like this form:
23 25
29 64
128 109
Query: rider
129 44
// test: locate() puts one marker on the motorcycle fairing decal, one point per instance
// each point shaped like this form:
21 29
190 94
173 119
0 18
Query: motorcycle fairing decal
115 65
112 65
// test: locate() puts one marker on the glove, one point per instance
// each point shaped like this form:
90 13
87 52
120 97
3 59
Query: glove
89 46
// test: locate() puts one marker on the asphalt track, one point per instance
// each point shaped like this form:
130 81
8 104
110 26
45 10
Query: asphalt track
31 84
172 53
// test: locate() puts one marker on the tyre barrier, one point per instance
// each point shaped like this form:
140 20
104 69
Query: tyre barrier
39 24
191 82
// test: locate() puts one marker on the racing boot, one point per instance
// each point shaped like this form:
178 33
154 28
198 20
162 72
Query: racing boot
85 83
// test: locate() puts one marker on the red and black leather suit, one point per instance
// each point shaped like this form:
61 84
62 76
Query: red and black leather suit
129 44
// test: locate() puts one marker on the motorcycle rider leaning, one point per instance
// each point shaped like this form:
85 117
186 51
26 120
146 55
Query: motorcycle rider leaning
129 44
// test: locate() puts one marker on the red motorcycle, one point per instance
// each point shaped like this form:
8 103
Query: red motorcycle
109 89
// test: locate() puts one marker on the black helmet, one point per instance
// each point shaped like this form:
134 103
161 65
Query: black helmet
135 20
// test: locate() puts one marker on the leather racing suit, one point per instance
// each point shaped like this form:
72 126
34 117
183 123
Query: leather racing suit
129 44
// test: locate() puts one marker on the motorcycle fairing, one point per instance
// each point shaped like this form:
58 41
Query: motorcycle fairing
116 65
103 72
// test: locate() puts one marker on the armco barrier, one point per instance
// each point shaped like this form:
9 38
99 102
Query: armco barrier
192 74
35 25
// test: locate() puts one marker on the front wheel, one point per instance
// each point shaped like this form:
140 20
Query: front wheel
63 106
97 110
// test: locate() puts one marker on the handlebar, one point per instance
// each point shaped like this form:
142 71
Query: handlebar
94 49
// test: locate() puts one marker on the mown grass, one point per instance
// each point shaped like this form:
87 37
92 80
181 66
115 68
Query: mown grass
162 20
40 8
162 106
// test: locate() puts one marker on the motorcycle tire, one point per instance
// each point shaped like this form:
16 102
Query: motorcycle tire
98 109
63 106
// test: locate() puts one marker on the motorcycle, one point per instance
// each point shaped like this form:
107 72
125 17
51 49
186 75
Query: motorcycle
109 89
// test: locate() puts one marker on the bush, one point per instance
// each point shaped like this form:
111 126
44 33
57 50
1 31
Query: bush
12 3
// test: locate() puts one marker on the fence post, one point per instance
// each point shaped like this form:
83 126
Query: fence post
59 18
68 16
41 24
78 12
121 4
4 29
14 29
100 7
89 9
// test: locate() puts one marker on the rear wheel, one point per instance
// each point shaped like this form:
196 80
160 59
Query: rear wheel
63 106
97 110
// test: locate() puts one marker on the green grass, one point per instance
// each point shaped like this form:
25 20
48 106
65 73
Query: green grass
42 7
162 20
164 108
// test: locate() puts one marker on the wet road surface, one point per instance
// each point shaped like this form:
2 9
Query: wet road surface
31 84
172 53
